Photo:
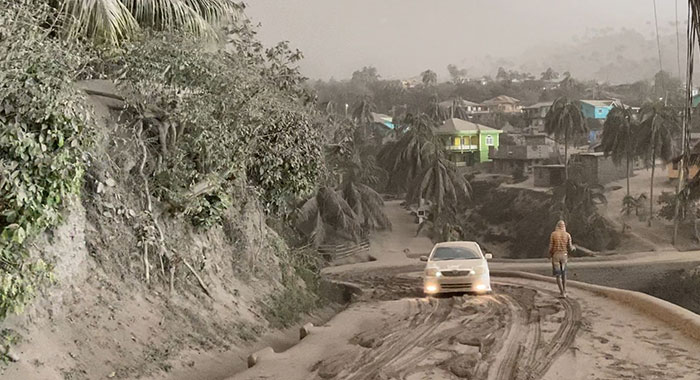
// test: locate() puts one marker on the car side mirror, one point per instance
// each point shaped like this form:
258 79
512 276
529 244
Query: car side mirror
488 256
424 258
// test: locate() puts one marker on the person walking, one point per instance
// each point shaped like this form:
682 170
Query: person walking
559 247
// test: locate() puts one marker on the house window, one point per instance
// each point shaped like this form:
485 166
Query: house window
465 140
489 140
457 141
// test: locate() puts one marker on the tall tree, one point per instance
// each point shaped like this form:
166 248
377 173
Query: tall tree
458 75
441 183
407 157
565 121
618 139
656 140
366 75
112 21
429 77
549 74
327 209
362 116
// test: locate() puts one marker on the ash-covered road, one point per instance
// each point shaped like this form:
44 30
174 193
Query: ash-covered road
515 333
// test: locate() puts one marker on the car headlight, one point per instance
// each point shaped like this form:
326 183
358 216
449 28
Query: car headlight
432 272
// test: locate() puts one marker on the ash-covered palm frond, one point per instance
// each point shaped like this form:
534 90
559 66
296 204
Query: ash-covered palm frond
407 158
441 184
618 138
327 210
565 119
336 212
367 204
657 131
113 21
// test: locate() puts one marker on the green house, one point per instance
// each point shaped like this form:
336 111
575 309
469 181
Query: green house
467 143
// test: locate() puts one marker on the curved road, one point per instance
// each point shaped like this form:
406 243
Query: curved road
520 331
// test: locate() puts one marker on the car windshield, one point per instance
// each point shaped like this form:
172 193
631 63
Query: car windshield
455 253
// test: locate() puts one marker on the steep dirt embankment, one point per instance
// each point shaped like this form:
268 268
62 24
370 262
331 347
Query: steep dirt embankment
516 222
125 311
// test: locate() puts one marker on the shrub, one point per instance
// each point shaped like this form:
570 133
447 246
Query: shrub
43 126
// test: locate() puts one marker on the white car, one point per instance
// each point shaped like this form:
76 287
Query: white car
457 266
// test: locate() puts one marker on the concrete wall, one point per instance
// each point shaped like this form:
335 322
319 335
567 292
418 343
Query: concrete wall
595 169
548 176
508 166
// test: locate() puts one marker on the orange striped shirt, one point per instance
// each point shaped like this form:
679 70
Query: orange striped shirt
559 242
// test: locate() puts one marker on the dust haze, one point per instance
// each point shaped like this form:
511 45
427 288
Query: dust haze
603 40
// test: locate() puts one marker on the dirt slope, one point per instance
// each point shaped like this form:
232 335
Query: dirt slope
104 319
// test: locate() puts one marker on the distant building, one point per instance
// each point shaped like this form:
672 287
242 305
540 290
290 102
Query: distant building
504 104
595 168
534 151
673 167
596 109
385 120
467 143
536 114
452 107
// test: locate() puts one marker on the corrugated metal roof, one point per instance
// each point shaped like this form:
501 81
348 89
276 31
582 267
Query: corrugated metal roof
599 103
502 99
458 103
539 105
454 125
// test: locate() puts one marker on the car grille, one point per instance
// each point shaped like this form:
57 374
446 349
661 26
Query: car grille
456 286
455 273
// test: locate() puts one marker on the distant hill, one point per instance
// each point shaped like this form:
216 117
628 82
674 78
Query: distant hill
614 56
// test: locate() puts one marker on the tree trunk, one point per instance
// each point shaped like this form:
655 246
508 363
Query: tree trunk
566 155
627 174
651 190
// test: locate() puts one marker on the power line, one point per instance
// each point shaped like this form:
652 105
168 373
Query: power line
678 44
658 44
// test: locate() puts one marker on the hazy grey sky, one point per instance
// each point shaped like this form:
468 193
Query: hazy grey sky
404 37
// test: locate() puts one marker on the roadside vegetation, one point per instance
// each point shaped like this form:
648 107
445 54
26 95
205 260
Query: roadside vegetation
197 124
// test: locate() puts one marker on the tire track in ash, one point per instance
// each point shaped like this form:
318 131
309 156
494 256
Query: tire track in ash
542 359
423 340
371 363
517 331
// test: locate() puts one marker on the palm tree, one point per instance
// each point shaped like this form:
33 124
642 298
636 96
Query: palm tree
363 199
658 126
428 77
113 21
618 138
354 208
440 182
328 210
362 115
407 157
565 120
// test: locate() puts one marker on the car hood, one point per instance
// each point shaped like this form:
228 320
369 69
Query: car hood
457 264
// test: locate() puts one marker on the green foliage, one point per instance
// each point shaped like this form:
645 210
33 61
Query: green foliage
301 283
668 201
220 116
43 127
114 21
631 203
